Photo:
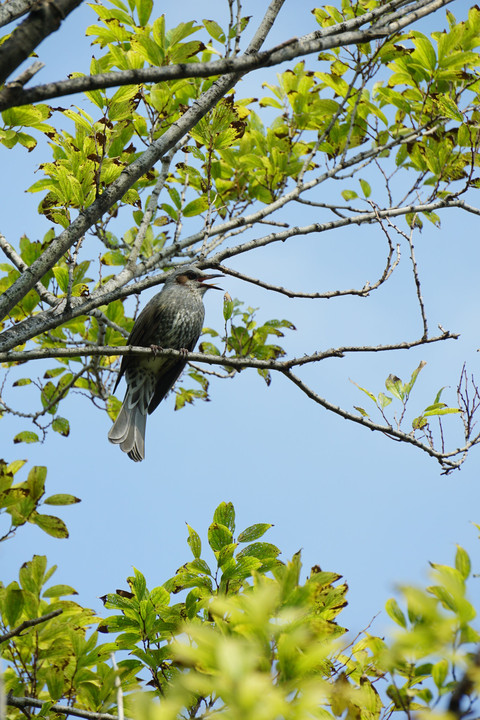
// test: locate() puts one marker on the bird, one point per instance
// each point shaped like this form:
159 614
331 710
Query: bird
173 318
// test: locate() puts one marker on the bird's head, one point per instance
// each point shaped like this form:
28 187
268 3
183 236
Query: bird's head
192 278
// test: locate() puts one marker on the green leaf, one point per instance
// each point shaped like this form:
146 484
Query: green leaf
362 412
13 604
462 562
54 678
441 411
367 392
214 30
50 524
419 422
228 306
59 591
195 207
261 550
194 542
62 426
144 10
62 278
61 499
253 532
225 515
395 386
439 672
366 189
411 382
27 436
393 609
218 536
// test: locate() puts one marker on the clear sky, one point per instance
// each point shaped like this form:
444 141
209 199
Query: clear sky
354 501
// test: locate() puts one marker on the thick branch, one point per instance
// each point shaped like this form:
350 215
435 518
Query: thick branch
44 19
14 9
29 623
128 177
22 703
343 34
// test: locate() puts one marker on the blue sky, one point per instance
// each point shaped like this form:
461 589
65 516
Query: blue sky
355 502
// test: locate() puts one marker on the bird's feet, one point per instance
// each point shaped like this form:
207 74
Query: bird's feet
183 351
155 349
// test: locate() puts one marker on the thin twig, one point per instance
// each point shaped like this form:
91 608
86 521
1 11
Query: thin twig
29 623
23 703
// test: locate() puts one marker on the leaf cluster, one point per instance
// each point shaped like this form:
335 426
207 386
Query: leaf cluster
21 501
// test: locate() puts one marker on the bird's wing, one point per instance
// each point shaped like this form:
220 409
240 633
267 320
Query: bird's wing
168 377
141 335
165 383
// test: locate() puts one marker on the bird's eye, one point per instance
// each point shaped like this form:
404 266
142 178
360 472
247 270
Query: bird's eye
187 275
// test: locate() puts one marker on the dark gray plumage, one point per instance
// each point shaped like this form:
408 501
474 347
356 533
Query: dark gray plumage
172 319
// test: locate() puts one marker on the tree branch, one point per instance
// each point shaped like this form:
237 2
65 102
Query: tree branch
128 177
363 292
342 34
390 431
45 17
25 702
235 362
29 623
13 9
22 332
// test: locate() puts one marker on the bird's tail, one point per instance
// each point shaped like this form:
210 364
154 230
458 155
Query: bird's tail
128 430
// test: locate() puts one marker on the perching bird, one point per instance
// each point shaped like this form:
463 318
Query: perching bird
172 319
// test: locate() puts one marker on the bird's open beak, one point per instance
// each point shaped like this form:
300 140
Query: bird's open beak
210 277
